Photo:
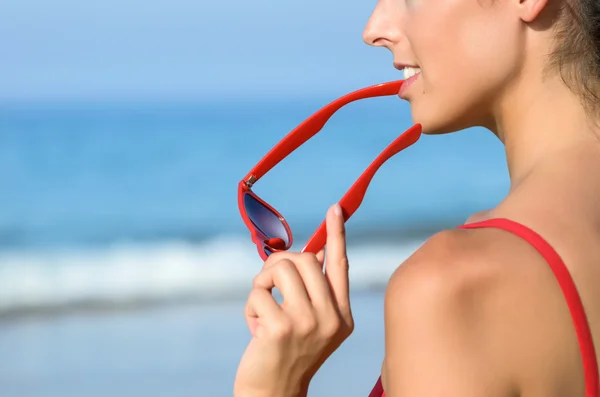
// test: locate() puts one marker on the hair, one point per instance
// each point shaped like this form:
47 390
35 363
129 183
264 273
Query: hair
577 53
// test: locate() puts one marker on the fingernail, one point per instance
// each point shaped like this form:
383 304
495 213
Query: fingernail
337 210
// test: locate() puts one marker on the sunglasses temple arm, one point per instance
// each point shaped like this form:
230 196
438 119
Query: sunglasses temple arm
355 195
291 142
315 123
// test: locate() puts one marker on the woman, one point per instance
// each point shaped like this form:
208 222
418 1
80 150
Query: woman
505 308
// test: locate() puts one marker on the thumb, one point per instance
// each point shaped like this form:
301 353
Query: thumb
336 263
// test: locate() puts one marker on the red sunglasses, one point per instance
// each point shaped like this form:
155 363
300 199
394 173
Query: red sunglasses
270 231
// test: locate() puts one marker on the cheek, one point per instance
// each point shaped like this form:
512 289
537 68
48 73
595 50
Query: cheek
489 43
457 43
435 36
453 36
465 52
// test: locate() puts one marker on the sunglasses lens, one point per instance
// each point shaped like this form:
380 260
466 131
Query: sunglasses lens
265 220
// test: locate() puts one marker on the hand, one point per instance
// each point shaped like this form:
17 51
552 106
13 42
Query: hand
291 341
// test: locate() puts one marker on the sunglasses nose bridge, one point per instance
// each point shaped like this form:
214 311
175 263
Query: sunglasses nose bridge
276 243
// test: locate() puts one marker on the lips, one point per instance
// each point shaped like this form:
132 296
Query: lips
408 82
402 66
411 74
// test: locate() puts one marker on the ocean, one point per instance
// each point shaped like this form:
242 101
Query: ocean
124 260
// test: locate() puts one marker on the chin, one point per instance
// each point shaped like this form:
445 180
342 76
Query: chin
437 120
433 124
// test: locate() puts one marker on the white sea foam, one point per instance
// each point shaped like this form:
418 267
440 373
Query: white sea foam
127 274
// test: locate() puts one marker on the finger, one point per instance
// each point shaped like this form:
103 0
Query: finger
261 309
275 257
336 261
310 269
286 278
291 256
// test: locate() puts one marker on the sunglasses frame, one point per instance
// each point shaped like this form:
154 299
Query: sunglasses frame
297 137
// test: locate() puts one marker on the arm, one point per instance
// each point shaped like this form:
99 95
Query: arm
440 333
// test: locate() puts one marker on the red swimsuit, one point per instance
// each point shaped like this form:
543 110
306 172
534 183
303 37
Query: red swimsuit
584 336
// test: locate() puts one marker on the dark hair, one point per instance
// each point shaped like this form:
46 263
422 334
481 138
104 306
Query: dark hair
577 54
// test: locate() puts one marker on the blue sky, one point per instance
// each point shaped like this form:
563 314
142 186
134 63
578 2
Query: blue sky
179 49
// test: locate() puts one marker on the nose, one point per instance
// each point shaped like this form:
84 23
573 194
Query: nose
383 27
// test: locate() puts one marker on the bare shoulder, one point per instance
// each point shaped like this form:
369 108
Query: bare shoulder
458 269
453 263
465 309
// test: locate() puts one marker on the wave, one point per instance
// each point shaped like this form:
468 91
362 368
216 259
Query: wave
130 275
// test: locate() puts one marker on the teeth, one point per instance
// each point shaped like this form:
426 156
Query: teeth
409 72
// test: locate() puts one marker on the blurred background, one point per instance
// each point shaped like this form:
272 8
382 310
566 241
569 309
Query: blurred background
125 127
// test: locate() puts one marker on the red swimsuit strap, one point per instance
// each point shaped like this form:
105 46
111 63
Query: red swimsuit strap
567 285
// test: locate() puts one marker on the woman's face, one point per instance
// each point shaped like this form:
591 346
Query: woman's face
468 51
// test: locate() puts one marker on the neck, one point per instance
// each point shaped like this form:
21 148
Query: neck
539 121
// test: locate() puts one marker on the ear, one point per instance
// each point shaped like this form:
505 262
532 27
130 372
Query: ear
529 10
